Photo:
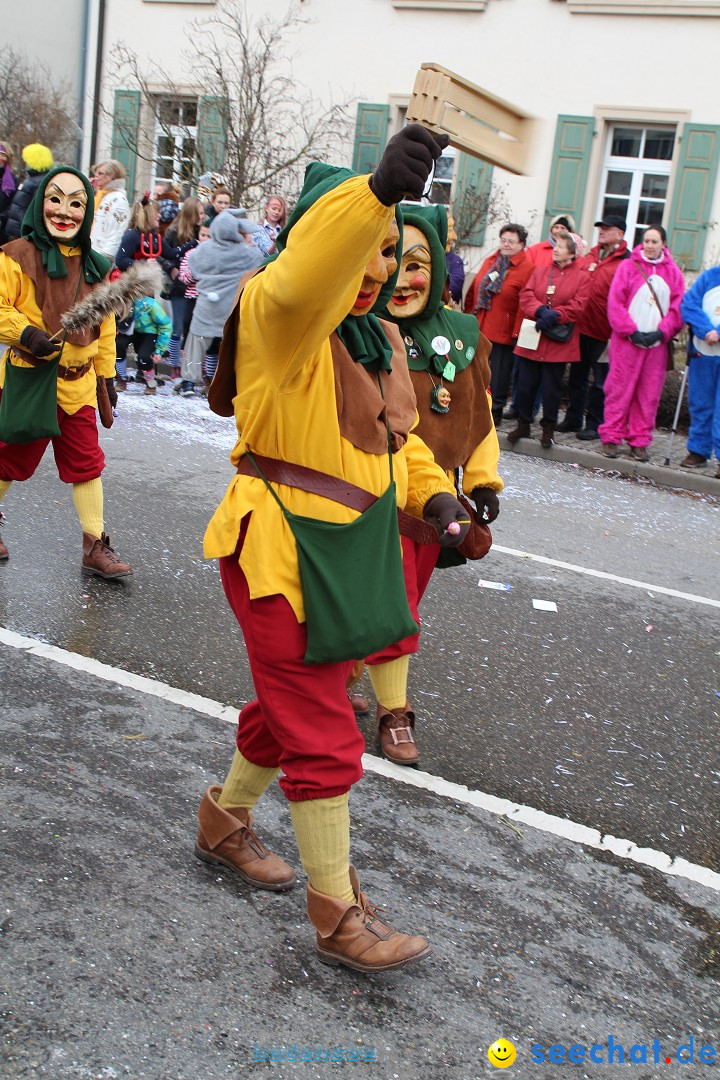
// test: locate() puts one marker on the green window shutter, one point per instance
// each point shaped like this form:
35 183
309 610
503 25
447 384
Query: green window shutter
371 127
473 184
692 196
571 160
211 133
126 124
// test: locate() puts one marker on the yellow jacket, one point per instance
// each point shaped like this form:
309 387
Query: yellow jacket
286 404
19 308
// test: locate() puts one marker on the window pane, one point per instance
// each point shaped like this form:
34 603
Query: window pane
650 213
189 113
654 187
165 146
440 193
638 235
659 145
618 183
626 142
444 168
188 149
619 207
168 113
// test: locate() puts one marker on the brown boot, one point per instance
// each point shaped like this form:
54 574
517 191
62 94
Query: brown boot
4 553
360 704
99 558
548 430
226 838
520 431
611 449
353 934
395 735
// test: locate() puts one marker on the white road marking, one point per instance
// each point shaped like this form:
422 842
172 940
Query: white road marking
608 577
503 808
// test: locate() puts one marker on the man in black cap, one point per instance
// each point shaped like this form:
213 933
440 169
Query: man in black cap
601 263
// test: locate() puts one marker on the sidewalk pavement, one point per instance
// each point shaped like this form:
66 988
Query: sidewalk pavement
569 449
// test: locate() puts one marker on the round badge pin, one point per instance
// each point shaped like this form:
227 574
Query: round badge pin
459 344
440 345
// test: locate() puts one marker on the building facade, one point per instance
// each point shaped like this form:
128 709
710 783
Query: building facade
627 120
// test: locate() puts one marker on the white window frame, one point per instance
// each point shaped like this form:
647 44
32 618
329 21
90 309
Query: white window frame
638 166
178 133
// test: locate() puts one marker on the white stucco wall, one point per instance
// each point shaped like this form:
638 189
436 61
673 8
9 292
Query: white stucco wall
534 53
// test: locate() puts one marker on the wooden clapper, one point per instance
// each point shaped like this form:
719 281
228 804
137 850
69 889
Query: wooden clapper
477 122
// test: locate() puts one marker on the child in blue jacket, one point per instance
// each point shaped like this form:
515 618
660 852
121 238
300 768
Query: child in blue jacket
150 336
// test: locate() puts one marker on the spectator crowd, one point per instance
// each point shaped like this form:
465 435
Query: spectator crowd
596 326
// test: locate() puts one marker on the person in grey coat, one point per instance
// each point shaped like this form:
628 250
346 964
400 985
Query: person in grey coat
217 266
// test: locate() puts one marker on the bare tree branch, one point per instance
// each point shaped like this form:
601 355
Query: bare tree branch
33 106
272 125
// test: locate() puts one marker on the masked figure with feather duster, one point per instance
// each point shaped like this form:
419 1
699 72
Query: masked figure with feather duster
42 274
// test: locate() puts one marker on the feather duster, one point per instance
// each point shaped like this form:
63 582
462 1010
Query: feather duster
144 278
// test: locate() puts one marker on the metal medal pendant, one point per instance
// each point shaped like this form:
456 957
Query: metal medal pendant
440 399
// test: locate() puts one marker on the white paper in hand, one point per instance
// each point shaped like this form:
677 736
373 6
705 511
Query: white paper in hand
529 337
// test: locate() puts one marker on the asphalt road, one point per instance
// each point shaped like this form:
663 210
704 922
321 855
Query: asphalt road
122 956
604 712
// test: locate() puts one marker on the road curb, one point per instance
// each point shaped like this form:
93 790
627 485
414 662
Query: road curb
684 479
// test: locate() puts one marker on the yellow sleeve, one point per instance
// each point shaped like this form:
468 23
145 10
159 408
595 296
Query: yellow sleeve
425 477
481 468
14 292
104 360
291 309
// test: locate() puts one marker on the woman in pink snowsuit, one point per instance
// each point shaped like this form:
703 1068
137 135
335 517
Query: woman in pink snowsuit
644 314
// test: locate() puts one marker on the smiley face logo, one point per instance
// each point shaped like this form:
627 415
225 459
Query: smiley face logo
502 1054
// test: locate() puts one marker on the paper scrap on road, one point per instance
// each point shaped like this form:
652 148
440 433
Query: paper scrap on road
545 605
501 586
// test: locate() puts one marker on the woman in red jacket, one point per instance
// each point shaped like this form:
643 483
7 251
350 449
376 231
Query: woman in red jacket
493 298
554 297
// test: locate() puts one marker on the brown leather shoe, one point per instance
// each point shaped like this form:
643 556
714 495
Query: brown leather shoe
520 431
360 704
226 838
4 553
395 735
611 449
99 558
354 936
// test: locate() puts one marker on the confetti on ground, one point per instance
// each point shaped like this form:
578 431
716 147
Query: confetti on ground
501 586
134 736
648 629
545 605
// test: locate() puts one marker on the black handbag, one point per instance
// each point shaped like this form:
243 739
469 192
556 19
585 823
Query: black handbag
560 332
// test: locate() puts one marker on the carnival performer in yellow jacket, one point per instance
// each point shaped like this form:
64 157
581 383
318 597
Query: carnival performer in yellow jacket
321 393
42 274
448 361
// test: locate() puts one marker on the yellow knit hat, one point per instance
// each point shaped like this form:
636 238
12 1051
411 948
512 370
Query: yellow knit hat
37 157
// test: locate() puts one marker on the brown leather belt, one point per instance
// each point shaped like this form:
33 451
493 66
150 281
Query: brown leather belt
67 373
332 487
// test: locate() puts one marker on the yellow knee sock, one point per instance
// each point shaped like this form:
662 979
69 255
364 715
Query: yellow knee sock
88 499
4 485
322 831
245 783
390 682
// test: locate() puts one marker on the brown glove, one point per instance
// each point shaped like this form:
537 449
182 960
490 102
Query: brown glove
487 504
406 164
38 342
449 517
